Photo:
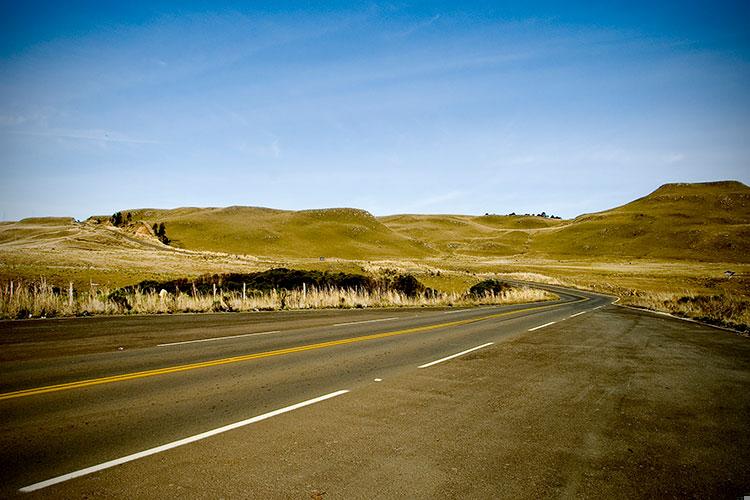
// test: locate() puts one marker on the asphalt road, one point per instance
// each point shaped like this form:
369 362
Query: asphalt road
576 398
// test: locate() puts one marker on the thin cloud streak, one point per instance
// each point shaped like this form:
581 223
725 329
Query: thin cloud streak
86 135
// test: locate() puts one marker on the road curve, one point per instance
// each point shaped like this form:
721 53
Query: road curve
90 404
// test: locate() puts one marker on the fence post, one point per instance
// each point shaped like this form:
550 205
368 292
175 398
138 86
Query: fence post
11 289
70 294
214 291
243 291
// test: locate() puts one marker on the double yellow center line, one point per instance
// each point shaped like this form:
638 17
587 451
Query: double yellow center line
259 355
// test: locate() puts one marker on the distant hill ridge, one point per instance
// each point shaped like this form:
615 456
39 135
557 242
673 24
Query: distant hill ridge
347 233
701 221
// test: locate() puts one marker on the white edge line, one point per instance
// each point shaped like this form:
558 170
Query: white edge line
577 314
542 326
456 311
454 355
365 321
217 338
175 444
690 320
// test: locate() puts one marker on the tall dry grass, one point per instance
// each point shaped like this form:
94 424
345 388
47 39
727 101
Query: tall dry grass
39 299
727 310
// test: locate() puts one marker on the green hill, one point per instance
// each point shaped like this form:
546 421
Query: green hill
336 232
471 235
707 222
703 222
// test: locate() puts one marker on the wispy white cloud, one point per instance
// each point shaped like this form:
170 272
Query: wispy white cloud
437 199
410 30
98 135
673 157
270 149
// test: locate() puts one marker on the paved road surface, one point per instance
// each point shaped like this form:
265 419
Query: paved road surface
599 401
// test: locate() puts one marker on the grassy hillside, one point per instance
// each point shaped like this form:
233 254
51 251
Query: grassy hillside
337 232
687 223
489 235
62 250
704 222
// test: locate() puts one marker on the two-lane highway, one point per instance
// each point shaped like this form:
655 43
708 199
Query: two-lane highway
66 410
564 398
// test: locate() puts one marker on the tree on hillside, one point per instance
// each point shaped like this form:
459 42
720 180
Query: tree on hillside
129 217
160 230
116 219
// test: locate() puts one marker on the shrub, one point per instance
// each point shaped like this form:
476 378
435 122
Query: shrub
489 287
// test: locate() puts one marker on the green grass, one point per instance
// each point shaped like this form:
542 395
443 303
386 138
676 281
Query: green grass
707 222
676 241
338 232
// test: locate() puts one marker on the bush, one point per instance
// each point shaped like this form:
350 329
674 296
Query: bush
288 279
120 297
489 287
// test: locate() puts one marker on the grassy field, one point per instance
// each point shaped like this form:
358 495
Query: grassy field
708 222
344 233
667 251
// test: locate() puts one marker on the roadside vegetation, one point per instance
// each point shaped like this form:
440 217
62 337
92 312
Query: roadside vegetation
228 293
717 301
729 311
683 249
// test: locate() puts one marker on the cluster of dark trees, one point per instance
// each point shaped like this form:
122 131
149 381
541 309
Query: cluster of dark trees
160 230
118 220
543 214
287 279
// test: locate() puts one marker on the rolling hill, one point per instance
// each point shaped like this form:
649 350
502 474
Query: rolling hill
344 233
707 222
702 221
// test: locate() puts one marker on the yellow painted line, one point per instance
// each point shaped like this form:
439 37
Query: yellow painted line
259 355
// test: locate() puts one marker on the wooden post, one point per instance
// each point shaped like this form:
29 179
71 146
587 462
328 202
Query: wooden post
11 289
70 294
214 291
243 291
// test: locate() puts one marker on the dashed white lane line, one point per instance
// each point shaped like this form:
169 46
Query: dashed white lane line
454 312
454 355
362 322
175 444
542 326
577 314
218 338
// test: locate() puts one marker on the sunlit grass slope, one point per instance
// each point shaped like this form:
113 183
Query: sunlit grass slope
487 235
337 232
703 222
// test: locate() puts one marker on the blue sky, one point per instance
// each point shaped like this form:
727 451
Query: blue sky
454 107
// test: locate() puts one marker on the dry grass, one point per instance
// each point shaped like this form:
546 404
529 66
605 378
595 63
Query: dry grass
731 311
39 300
650 252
